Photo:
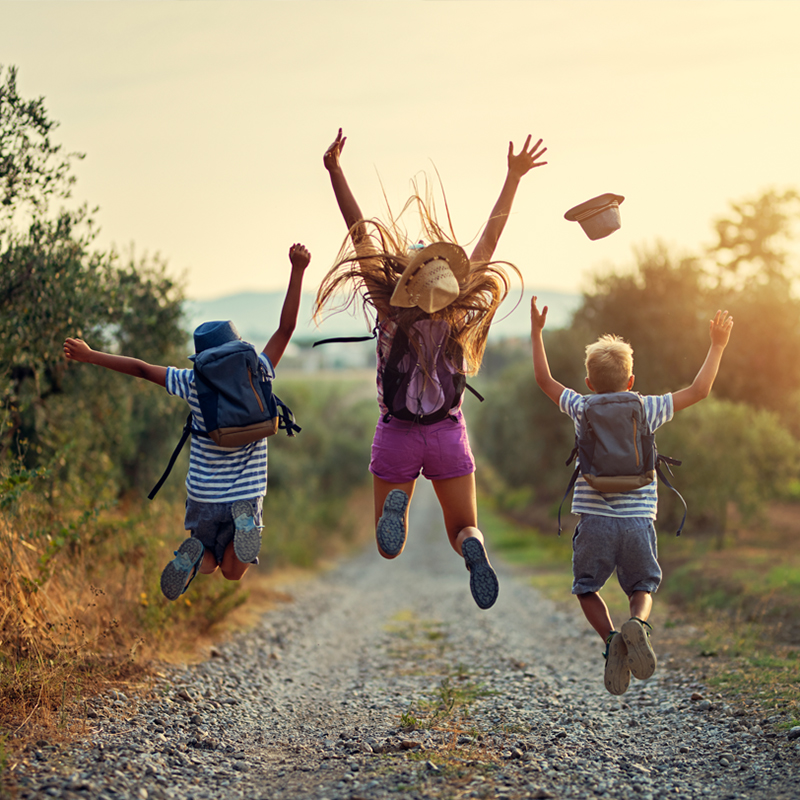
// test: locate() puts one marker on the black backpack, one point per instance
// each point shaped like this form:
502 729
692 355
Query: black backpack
615 448
236 400
410 392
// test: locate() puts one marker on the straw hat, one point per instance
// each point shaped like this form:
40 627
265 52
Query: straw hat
599 216
432 279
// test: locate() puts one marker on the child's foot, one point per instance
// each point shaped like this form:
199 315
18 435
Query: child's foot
483 581
641 658
180 572
618 674
247 537
391 531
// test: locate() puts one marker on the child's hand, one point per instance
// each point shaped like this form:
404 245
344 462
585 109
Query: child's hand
525 160
334 152
299 256
538 318
77 350
720 328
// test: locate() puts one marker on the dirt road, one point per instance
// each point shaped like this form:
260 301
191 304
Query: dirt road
384 680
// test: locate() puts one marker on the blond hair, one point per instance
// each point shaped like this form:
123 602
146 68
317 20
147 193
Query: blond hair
368 271
609 363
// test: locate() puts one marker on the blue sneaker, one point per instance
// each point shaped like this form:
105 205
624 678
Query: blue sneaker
247 537
391 531
180 572
483 581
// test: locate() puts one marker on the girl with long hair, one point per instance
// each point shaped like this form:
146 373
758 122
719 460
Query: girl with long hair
435 304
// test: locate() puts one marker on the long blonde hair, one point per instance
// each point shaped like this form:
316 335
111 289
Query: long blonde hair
369 270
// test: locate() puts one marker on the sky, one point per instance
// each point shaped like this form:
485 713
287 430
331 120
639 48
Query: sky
204 123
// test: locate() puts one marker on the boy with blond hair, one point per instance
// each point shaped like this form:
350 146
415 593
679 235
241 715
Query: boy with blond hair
616 530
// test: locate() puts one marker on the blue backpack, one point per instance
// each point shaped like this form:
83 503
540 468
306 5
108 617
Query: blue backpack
615 448
236 400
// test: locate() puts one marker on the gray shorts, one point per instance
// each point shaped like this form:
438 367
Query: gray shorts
602 543
212 523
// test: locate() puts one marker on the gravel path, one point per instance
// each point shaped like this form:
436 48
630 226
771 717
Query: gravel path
384 680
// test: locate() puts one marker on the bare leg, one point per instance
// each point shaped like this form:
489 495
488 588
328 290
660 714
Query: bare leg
381 489
208 564
459 504
641 604
460 509
231 567
596 612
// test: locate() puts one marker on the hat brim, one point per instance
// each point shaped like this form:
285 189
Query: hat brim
455 256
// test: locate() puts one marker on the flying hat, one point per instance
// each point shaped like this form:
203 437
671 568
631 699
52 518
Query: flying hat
432 279
213 334
599 216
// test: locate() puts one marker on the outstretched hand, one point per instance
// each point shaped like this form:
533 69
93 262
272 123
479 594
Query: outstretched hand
76 350
538 318
720 328
299 256
526 159
334 152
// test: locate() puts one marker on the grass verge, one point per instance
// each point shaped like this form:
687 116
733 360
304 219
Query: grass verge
729 617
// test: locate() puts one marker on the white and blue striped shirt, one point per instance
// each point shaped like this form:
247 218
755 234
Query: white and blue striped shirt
219 474
639 503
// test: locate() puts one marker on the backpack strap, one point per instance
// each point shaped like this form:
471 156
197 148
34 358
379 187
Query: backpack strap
475 392
187 430
667 461
572 456
286 418
334 339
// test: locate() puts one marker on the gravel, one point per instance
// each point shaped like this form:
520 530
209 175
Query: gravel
384 680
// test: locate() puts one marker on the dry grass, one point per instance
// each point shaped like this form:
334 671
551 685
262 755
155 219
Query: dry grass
87 617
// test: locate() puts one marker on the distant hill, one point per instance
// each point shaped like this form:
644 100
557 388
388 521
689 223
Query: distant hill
256 315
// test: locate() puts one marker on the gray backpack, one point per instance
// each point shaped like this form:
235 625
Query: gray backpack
615 448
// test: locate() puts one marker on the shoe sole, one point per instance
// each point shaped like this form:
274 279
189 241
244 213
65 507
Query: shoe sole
483 581
246 541
174 580
617 675
391 531
641 658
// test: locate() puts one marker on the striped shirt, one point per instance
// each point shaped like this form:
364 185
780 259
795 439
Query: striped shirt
639 503
219 474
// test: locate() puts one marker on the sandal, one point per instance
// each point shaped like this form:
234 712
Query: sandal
391 531
641 657
617 675
483 581
180 572
247 537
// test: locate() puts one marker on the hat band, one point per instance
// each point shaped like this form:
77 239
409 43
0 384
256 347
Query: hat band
590 212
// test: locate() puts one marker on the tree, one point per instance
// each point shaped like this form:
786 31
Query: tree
54 284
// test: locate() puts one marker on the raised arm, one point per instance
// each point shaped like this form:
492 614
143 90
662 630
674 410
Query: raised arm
518 165
78 350
274 349
344 196
541 369
720 333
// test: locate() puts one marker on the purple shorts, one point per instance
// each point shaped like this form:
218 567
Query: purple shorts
401 450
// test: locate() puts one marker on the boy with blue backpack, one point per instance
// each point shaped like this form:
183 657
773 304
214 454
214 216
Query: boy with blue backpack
616 527
232 410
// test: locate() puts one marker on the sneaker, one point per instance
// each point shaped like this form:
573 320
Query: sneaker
391 531
618 674
180 572
247 537
483 581
641 658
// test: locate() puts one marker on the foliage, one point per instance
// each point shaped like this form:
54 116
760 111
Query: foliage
733 457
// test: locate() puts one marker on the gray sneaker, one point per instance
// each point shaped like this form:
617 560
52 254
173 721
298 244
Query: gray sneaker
641 657
483 581
247 537
180 572
618 674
